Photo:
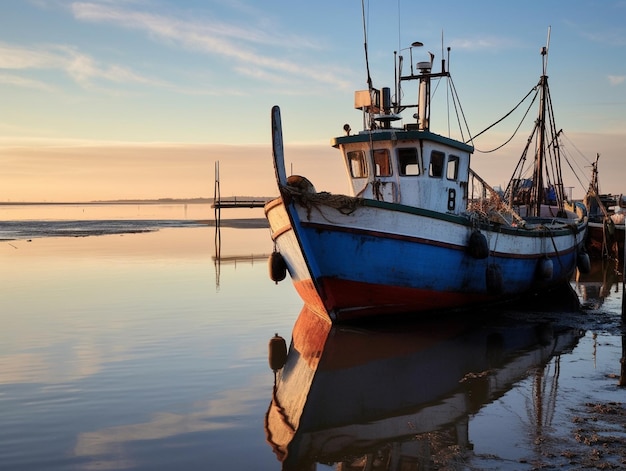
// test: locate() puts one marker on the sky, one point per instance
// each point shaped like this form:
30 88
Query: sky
127 99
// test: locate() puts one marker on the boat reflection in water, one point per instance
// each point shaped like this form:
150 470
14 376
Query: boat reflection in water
393 398
594 287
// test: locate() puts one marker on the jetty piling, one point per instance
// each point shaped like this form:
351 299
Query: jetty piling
232 202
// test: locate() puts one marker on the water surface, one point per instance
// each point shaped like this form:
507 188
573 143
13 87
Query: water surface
142 351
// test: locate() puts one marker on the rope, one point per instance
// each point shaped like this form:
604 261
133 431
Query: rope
558 255
493 208
342 203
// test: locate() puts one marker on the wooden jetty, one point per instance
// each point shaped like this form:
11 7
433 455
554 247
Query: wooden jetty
228 203
233 201
238 203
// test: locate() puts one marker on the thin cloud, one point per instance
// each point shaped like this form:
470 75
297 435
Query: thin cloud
608 37
485 43
84 69
81 68
22 82
264 75
16 57
184 31
209 37
601 35
616 79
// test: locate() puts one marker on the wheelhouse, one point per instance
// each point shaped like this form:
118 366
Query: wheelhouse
408 167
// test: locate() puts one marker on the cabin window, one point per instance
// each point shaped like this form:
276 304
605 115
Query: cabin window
452 172
358 167
382 163
407 161
436 163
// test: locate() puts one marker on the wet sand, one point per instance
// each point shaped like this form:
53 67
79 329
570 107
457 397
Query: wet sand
596 438
250 223
593 433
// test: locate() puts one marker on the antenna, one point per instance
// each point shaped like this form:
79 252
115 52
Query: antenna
443 57
367 63
544 52
413 44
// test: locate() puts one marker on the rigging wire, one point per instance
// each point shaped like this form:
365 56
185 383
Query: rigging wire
578 150
569 159
457 108
582 185
534 89
554 150
520 171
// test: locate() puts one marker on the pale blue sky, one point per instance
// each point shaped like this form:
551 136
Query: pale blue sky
141 74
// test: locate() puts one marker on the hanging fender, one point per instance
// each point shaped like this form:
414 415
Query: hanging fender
477 246
277 267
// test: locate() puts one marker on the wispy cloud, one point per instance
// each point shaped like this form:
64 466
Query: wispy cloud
482 43
84 69
23 82
610 37
80 67
606 35
244 45
616 79
16 57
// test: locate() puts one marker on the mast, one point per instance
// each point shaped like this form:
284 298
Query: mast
538 196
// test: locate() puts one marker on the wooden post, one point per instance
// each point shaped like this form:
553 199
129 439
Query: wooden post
216 195
218 216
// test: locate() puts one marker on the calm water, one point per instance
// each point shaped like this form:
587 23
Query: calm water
141 351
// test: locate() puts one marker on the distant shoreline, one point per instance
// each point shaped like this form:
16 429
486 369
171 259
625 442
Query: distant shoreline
149 201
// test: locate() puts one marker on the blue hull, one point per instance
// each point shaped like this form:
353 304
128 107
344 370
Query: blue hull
349 272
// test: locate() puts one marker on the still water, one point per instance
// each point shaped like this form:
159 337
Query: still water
142 351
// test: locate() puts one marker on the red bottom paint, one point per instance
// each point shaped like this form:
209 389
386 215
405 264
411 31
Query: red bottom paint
349 300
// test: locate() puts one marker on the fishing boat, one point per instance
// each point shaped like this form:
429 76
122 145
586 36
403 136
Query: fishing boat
606 213
403 395
418 230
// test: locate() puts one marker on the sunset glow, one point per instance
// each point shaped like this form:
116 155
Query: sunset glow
119 99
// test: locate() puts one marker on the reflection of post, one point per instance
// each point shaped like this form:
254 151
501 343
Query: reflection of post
218 255
538 412
622 376
217 215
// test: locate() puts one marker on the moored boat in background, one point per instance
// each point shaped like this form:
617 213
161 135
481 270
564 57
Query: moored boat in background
606 213
418 230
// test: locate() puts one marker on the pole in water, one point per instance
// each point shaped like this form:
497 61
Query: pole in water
217 196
